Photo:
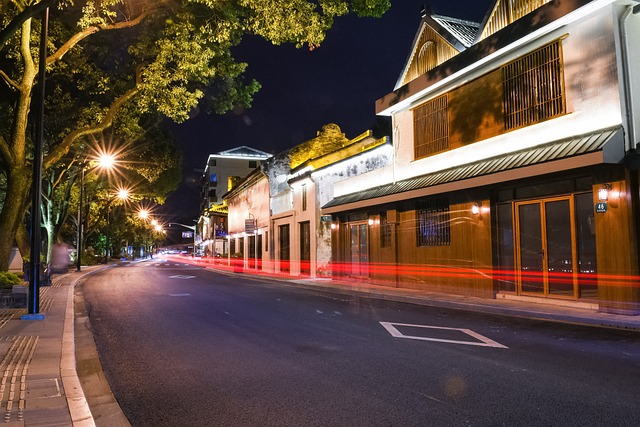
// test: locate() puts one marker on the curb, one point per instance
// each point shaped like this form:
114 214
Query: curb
79 405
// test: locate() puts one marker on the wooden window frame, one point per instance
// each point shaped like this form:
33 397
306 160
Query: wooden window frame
304 197
431 127
533 87
433 223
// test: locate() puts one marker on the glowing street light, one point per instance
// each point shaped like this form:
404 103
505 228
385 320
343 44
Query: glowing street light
106 161
122 194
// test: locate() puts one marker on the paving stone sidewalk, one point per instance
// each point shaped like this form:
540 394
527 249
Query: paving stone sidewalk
40 384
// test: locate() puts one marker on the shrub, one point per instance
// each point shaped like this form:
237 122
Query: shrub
8 280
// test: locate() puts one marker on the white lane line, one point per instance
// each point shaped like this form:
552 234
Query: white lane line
179 295
482 340
181 276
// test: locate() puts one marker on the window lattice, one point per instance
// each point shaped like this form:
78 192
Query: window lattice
431 128
534 87
433 223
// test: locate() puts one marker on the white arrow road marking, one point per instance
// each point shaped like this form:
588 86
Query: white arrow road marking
482 340
181 276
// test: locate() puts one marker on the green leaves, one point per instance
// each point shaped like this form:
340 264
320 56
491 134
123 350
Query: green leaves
125 64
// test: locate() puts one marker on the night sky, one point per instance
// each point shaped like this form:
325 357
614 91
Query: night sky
339 82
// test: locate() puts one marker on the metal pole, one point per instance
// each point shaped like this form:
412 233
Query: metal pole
80 202
36 199
107 249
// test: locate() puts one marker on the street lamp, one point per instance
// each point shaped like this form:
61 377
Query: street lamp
105 161
122 194
79 228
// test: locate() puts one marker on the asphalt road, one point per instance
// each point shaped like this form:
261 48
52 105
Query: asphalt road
186 346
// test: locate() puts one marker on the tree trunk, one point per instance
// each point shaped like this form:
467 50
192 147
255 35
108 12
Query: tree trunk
23 240
15 203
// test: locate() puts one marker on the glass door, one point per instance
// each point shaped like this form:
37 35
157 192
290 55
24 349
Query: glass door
530 248
559 254
546 248
305 248
358 248
285 247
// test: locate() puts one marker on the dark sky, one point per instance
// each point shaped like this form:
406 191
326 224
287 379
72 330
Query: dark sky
358 63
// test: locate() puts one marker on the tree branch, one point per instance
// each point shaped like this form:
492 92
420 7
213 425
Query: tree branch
5 153
78 37
27 13
9 81
62 149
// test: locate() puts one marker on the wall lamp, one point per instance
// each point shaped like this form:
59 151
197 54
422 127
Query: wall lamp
603 192
475 209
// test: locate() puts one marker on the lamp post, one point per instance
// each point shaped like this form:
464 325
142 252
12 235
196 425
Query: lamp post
80 203
107 162
35 239
122 194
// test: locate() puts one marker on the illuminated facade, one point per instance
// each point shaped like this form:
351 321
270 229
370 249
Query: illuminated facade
515 174
248 205
281 202
221 173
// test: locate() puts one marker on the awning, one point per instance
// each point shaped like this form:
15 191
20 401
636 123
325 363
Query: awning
605 146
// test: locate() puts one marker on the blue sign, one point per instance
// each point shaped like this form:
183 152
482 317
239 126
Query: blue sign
601 207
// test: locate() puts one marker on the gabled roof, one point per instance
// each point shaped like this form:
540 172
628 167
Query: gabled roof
464 31
457 34
243 151
256 175
548 15
502 13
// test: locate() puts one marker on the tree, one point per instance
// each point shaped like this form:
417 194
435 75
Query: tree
124 60
150 165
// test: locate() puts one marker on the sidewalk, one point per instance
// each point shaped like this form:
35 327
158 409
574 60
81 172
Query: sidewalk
40 384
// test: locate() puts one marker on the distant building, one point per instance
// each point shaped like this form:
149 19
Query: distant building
225 169
222 172
515 172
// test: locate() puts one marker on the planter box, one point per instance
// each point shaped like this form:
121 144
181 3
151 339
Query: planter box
19 296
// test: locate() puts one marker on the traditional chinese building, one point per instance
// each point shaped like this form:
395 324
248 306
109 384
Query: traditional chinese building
516 173
274 214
